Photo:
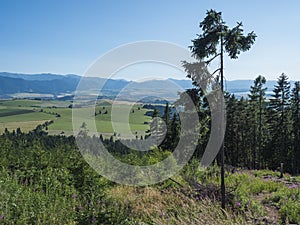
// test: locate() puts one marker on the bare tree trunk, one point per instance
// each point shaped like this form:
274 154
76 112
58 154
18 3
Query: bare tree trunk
223 201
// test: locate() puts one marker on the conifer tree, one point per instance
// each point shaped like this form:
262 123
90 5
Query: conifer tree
278 122
216 39
231 130
295 105
257 111
167 140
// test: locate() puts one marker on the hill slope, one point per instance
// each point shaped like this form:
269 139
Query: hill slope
54 84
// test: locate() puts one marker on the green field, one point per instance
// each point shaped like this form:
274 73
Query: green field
25 126
27 114
24 114
28 103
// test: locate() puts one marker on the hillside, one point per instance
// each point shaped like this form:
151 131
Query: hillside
49 182
32 85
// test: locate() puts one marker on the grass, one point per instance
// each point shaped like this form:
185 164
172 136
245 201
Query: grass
21 204
252 196
27 114
25 126
28 103
169 206
45 180
27 119
259 194
11 112
20 103
103 120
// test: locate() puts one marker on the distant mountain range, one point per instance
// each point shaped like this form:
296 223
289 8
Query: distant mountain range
62 86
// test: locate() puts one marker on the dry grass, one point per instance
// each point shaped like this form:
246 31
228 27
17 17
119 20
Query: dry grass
25 126
152 206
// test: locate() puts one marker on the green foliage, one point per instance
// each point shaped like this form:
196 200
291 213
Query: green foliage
44 180
265 173
257 118
252 190
44 201
295 108
215 31
287 200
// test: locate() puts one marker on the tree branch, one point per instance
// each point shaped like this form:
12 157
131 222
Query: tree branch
209 61
219 69
176 182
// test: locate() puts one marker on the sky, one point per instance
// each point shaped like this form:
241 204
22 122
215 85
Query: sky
66 36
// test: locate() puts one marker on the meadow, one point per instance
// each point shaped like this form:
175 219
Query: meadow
27 114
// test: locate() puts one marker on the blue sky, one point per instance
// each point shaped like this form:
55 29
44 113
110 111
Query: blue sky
67 36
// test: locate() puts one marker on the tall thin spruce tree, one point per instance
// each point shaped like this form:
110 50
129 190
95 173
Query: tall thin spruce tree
216 39
295 106
257 106
278 122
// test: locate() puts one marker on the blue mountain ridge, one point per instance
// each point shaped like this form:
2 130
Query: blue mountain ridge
56 84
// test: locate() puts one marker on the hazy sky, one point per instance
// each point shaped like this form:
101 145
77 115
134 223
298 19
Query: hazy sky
67 36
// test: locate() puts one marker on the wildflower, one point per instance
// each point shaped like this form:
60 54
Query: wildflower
238 204
293 186
1 217
74 196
